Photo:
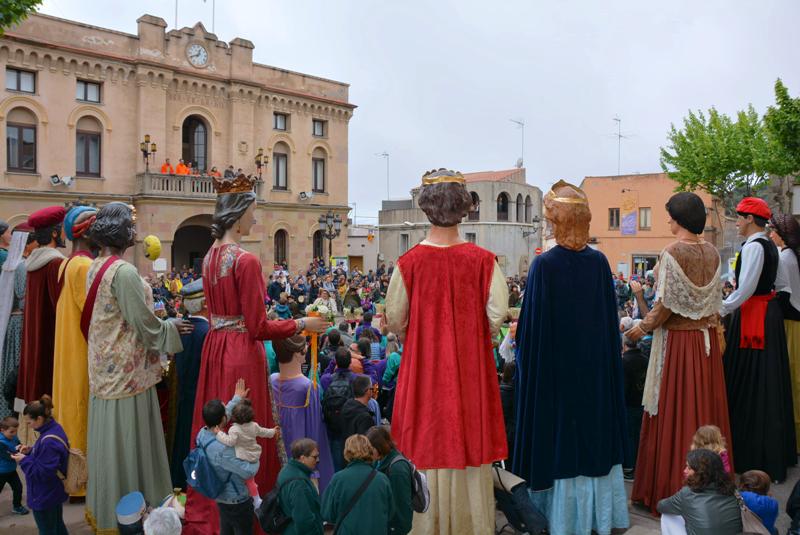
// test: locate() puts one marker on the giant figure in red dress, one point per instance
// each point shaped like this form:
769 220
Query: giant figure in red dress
234 288
448 298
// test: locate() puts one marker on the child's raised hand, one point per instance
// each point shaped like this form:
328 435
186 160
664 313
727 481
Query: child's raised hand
241 390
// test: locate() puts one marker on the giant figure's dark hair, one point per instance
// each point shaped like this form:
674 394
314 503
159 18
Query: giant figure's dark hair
688 210
445 203
113 227
229 209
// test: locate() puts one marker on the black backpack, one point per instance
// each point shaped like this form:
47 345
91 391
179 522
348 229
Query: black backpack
336 395
270 514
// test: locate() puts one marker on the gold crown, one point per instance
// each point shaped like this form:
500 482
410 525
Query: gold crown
581 199
240 184
442 175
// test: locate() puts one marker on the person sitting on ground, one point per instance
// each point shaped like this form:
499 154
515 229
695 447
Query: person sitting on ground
707 505
370 512
297 495
710 437
243 433
634 369
234 502
9 444
357 418
399 471
754 488
163 521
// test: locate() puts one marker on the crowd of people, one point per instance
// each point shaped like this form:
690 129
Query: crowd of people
311 393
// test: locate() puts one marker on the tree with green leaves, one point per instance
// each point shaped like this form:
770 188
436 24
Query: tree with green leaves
15 11
783 124
728 159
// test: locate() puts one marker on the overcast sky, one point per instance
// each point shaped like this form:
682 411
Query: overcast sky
437 81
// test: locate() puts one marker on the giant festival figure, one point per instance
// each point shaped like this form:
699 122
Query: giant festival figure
570 405
447 416
233 284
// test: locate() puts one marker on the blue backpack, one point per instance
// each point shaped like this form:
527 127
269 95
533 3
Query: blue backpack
200 473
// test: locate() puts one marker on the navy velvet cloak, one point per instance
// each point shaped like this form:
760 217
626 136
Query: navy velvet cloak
569 381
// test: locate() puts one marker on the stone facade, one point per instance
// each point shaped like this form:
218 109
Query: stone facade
512 234
363 247
196 97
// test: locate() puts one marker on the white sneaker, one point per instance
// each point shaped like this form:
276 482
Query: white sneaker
256 502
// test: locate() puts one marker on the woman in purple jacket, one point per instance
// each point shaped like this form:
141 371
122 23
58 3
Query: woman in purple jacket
41 464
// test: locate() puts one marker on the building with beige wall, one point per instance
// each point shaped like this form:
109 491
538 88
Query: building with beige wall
363 247
506 220
79 99
632 244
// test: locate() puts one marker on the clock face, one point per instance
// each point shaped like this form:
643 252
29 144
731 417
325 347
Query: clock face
198 55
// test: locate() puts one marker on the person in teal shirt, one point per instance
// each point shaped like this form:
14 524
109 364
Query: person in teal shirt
297 495
398 469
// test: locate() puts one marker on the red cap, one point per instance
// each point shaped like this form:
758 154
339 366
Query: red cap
754 206
47 217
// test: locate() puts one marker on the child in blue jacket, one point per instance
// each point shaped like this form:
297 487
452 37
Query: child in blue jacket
9 442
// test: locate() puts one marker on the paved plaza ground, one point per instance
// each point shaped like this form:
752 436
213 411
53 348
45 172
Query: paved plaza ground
641 521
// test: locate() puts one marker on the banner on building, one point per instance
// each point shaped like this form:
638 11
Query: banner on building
629 206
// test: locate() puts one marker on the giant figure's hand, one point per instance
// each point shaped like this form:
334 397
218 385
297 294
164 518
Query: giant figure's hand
316 324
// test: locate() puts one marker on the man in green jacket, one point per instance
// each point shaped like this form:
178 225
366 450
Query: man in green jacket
298 497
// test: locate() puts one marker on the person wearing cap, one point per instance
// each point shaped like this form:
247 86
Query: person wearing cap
756 359
70 367
42 287
187 365
785 233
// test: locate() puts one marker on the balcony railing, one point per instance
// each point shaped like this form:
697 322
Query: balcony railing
195 187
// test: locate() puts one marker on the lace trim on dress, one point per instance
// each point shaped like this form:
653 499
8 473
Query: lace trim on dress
681 296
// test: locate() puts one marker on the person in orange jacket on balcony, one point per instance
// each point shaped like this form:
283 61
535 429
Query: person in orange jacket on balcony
214 172
166 168
181 169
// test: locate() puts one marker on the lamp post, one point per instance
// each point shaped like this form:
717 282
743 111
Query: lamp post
261 160
332 225
147 149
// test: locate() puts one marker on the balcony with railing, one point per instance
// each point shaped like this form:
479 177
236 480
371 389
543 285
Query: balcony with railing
182 186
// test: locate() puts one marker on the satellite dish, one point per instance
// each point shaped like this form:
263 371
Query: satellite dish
519 163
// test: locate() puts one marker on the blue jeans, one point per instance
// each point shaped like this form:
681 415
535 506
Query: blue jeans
51 521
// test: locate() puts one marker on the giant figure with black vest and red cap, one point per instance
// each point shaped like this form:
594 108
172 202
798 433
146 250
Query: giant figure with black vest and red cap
41 296
756 360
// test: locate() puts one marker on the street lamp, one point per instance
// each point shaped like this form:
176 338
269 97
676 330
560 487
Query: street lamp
332 225
261 160
147 149
536 223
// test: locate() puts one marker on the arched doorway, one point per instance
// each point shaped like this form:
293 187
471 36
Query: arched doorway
194 139
281 239
319 244
191 243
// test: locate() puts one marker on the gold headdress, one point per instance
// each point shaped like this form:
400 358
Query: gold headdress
580 199
441 175
240 184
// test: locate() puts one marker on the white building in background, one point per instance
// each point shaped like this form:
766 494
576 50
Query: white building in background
362 247
505 220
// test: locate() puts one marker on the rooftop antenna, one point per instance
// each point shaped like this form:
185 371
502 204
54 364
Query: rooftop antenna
620 136
521 124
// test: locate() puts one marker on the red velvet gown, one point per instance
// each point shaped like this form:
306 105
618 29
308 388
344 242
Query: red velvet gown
447 411
39 332
234 290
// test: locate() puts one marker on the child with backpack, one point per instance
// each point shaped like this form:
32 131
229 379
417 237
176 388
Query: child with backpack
243 433
9 444
45 465
213 470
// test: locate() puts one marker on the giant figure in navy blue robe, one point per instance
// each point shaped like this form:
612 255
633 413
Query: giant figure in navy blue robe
570 402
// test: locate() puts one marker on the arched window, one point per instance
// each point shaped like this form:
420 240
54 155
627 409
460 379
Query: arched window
520 208
528 209
319 244
280 163
475 212
87 147
21 140
281 240
502 207
195 142
318 170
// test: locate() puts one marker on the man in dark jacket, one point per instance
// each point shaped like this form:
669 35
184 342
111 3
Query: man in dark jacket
634 369
356 417
298 497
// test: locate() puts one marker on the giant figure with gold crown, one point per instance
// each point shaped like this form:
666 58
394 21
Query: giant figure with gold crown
571 419
233 284
447 415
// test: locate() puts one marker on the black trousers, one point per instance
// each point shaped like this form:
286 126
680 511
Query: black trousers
51 521
12 478
236 519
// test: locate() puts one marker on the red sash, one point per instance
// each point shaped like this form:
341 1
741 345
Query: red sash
753 314
91 297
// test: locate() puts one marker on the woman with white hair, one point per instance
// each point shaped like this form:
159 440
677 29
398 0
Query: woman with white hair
163 521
